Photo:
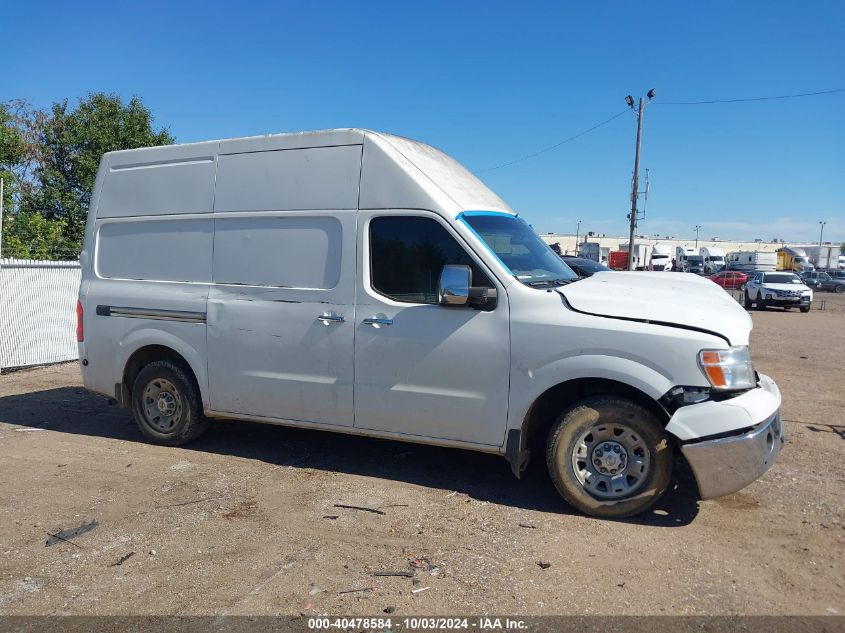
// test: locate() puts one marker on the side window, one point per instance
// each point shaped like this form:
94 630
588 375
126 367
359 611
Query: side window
280 252
407 254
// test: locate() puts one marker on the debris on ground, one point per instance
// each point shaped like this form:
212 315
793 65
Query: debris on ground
420 590
544 564
331 517
528 525
358 590
122 559
241 510
362 508
28 430
389 610
404 574
65 536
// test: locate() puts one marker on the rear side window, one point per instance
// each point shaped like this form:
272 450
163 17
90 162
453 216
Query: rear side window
156 250
281 252
407 255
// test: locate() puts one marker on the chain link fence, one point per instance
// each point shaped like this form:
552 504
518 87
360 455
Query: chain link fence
37 312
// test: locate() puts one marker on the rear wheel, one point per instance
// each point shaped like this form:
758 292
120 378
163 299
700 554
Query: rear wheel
609 457
166 404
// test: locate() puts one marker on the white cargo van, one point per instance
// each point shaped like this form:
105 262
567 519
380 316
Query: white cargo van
358 282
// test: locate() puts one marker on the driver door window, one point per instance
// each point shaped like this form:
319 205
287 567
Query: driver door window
407 254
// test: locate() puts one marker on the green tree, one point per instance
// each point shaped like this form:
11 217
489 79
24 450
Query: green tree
29 235
71 144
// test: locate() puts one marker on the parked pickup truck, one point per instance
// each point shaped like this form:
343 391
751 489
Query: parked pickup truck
363 283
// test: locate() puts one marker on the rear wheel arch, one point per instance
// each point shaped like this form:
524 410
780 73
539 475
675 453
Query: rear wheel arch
142 357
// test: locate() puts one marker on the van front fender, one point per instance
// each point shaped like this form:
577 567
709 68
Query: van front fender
529 386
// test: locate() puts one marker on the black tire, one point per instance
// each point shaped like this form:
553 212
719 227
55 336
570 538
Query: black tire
761 303
187 422
806 308
746 300
839 288
566 441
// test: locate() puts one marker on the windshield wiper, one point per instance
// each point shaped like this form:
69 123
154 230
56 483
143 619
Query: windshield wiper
550 282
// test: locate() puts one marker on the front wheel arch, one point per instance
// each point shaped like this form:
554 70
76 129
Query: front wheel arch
544 411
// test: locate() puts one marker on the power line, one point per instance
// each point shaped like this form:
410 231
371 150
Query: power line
794 96
556 145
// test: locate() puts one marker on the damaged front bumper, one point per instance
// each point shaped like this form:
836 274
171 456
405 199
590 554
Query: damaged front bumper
731 443
727 464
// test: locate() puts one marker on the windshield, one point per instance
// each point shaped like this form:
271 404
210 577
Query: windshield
717 258
519 248
694 259
781 279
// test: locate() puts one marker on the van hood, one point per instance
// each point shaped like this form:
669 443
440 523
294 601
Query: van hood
677 300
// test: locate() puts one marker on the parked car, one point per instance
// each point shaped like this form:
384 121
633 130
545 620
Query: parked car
835 273
729 279
823 281
783 289
584 267
364 283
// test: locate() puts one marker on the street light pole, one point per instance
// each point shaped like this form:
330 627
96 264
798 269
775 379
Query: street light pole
577 235
697 229
821 232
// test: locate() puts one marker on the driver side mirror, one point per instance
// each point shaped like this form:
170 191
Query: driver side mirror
455 289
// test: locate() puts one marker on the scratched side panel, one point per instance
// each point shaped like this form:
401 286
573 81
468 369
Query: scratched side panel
268 354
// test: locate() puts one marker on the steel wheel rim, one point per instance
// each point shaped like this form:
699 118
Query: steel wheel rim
162 405
613 447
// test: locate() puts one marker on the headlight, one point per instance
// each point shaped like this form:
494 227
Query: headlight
728 368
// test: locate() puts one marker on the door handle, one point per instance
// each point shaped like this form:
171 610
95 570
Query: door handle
377 322
327 318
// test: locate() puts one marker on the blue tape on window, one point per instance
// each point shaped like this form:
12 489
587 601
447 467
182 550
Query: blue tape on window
461 217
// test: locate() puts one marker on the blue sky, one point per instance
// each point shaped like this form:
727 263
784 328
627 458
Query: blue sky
489 82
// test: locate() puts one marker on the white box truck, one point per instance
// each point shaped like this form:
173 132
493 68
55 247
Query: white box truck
752 261
714 259
661 258
363 283
824 256
641 254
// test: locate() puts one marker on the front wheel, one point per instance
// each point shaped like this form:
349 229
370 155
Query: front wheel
805 308
839 288
609 457
747 300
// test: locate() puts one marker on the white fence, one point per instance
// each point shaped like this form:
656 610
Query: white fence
37 312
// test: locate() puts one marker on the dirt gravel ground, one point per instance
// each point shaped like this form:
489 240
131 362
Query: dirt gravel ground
245 521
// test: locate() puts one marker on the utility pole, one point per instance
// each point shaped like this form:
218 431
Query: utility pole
821 231
577 235
636 183
697 229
